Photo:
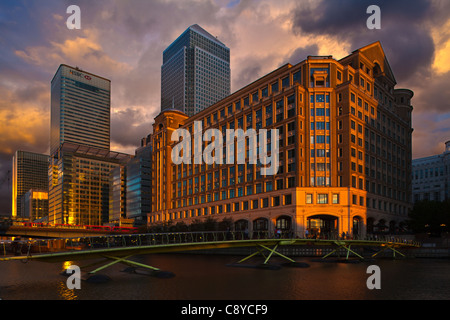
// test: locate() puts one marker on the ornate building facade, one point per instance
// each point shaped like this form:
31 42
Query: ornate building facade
344 136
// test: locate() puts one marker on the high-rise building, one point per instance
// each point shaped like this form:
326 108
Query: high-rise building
81 160
130 188
79 178
344 135
117 195
195 72
80 108
35 204
139 185
431 177
29 172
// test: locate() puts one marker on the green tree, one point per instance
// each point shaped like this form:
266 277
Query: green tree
431 217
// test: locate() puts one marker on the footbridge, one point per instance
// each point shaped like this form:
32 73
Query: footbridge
114 249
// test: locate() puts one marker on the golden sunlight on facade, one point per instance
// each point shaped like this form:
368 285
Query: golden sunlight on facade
344 137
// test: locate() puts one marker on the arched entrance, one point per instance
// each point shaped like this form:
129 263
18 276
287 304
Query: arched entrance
392 227
381 226
260 228
357 228
241 225
370 225
284 223
241 228
322 226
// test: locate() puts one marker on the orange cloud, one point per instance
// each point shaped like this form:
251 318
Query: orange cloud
82 49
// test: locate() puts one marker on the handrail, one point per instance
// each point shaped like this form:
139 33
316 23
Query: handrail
153 239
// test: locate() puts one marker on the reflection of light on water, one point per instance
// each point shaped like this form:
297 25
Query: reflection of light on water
67 264
64 292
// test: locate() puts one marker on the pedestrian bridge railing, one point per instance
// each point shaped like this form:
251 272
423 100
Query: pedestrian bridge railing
43 246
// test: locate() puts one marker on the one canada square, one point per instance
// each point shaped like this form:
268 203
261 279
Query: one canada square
195 72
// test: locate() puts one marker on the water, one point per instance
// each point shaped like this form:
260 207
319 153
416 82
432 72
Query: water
207 277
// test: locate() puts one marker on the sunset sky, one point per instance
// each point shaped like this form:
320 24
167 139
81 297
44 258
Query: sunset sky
124 40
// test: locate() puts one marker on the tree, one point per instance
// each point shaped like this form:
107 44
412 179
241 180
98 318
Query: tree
430 217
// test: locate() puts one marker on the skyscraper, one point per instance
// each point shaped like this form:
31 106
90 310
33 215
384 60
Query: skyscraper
80 109
195 72
29 172
139 185
79 178
81 160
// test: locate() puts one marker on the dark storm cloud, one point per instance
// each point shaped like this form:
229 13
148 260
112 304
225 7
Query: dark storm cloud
347 17
404 32
301 54
434 98
408 38
128 127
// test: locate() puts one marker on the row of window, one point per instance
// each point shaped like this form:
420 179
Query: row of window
232 109
325 198
266 202
226 194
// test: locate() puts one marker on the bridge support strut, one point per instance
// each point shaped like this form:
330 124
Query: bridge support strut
345 246
388 246
261 252
118 260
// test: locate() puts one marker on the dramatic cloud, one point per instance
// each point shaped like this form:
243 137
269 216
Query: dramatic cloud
416 38
124 40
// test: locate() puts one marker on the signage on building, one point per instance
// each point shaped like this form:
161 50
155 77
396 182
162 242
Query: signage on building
80 74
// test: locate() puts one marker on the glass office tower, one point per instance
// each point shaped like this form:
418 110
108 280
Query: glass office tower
195 72
29 172
80 109
79 178
139 185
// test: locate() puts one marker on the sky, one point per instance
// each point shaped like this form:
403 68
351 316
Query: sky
123 40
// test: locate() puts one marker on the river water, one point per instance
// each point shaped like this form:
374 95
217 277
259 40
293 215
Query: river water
209 277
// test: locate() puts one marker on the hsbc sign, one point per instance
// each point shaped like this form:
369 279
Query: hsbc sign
79 74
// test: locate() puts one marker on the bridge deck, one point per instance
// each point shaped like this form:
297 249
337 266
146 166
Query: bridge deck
56 250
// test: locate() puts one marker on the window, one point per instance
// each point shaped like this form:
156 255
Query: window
276 201
265 202
275 87
264 92
322 198
320 112
288 199
279 183
255 97
297 76
335 198
291 182
285 82
309 198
